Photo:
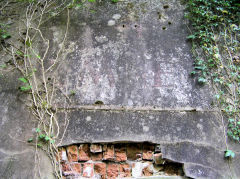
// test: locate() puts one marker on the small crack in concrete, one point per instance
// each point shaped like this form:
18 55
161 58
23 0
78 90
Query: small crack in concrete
135 108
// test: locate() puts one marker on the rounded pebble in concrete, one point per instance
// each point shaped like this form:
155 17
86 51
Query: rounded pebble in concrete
111 23
116 16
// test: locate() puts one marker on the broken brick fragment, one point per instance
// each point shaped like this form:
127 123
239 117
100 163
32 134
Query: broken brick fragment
158 159
108 152
62 155
124 170
84 152
148 151
96 148
72 152
76 167
148 170
88 170
134 151
112 170
100 169
73 169
120 153
65 167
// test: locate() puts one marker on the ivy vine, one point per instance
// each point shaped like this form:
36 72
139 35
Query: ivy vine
215 36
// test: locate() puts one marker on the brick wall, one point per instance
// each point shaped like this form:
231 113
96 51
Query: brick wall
115 161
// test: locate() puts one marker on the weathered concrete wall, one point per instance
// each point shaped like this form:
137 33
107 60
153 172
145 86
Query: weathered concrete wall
17 157
133 57
141 60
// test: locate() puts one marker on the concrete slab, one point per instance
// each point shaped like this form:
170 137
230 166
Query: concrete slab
17 156
141 60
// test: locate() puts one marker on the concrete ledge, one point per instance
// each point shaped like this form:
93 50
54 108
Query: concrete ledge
193 138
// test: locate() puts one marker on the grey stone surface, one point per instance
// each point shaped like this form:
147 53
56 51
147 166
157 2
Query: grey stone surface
133 53
171 127
17 157
131 61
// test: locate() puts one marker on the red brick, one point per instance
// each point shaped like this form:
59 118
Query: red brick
100 169
72 152
96 156
125 170
76 167
108 152
112 170
62 155
96 148
120 153
73 169
148 151
66 167
88 171
158 159
134 151
84 152
148 171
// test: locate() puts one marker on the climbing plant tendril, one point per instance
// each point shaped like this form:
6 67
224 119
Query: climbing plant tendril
215 36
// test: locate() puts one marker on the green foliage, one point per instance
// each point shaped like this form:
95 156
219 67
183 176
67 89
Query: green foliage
43 138
24 80
30 140
3 32
38 130
72 92
215 27
3 66
229 154
26 86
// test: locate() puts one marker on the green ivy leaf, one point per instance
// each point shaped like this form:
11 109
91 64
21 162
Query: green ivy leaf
229 153
39 145
202 80
25 88
30 140
193 73
28 43
38 130
42 136
24 80
216 80
5 36
231 120
52 141
217 96
47 138
38 56
191 37
19 53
